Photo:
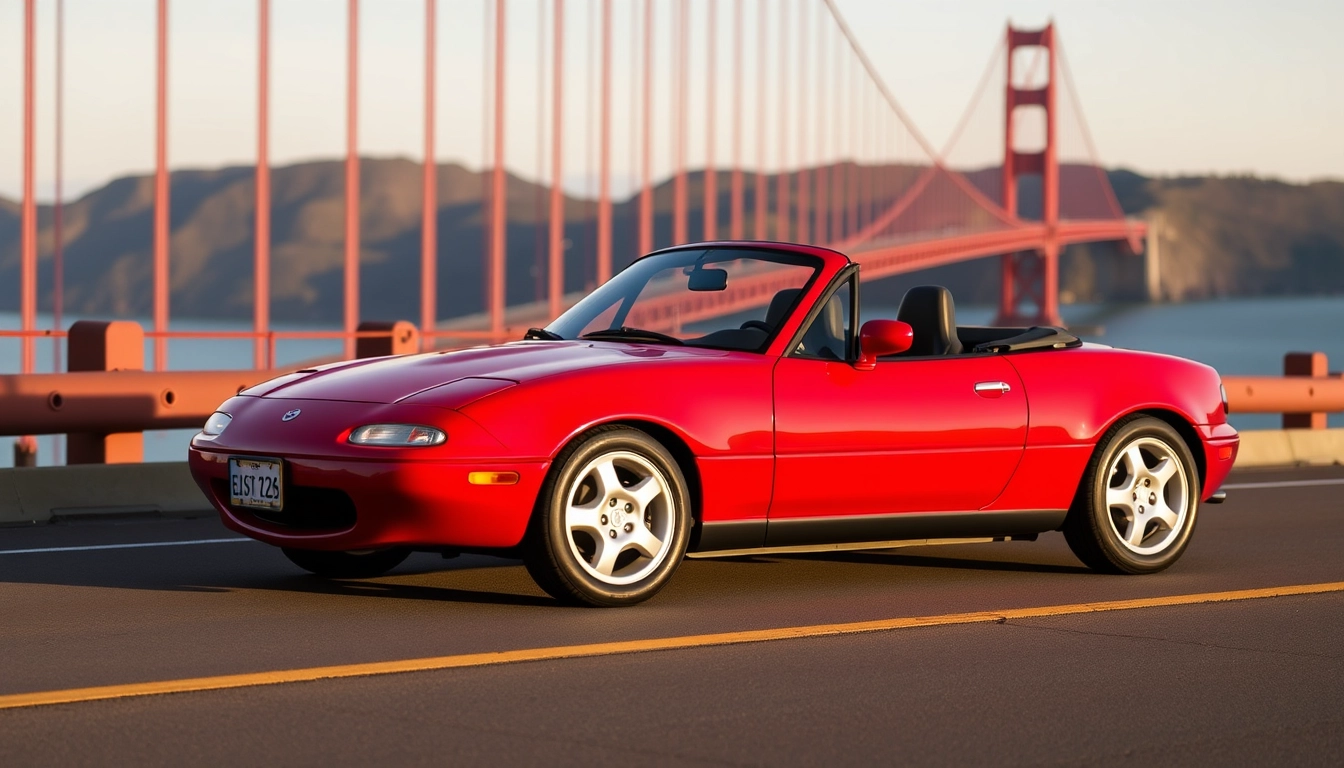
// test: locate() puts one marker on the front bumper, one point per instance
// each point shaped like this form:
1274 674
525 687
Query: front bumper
340 497
1220 453
344 504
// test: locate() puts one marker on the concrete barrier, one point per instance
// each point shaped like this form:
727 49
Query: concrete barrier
43 494
1291 447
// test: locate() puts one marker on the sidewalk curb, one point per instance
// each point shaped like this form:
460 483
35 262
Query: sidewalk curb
42 494
1291 447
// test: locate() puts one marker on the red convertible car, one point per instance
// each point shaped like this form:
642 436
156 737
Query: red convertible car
721 398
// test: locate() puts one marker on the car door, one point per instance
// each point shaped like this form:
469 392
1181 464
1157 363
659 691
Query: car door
916 435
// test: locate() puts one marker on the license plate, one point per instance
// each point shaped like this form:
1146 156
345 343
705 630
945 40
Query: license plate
256 483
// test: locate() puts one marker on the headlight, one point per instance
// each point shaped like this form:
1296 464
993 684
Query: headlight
397 435
216 423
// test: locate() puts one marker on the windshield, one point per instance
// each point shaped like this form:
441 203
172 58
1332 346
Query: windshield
726 298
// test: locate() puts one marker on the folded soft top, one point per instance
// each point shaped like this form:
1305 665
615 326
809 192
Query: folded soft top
1001 340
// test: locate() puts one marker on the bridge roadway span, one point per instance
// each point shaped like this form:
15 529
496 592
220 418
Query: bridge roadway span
1253 681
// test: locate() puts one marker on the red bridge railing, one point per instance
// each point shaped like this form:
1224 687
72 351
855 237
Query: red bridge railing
105 407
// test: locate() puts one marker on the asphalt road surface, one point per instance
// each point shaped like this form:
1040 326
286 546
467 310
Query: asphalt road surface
1243 682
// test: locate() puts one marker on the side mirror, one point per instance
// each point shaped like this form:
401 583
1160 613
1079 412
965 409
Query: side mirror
708 280
879 338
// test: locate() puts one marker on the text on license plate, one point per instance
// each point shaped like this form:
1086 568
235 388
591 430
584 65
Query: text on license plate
255 483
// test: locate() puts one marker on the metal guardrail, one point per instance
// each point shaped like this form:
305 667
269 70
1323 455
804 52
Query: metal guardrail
1305 393
100 409
1284 394
107 400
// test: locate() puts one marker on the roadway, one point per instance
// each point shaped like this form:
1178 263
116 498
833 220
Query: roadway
1252 681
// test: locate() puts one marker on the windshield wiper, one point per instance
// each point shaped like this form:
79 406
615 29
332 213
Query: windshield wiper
626 333
543 334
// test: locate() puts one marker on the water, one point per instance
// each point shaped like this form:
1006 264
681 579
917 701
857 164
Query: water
1245 337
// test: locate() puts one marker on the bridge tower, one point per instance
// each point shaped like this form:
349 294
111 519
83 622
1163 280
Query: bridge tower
1031 277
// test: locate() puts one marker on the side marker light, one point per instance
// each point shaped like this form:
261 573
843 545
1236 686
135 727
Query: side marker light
492 478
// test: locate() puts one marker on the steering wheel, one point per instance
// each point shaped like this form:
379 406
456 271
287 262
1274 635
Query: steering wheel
758 324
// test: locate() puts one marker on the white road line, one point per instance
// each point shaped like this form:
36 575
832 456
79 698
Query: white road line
120 546
1283 484
1229 487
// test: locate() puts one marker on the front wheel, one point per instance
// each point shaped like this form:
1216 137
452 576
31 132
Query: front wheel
612 521
346 565
1136 507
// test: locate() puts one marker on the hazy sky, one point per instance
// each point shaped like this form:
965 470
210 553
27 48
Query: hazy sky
1168 86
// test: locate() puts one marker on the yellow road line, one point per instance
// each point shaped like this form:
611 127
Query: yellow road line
221 682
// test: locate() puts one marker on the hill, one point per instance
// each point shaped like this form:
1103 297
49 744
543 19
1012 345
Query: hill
1220 236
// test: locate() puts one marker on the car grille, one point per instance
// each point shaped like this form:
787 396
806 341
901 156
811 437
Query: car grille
306 508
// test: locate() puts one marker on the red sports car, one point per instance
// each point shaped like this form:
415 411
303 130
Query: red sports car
721 398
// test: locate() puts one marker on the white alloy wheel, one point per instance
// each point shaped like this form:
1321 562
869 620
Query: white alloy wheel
613 519
1137 501
1147 495
620 517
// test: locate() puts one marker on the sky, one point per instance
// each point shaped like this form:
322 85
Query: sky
1167 86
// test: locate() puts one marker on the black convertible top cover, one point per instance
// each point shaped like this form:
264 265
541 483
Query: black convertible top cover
1036 337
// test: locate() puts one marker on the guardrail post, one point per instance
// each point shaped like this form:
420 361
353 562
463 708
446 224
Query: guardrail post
402 338
1315 365
105 346
25 452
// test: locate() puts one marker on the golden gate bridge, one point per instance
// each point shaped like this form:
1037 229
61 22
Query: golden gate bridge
766 118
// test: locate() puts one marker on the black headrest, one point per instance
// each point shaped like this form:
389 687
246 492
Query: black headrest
930 312
779 306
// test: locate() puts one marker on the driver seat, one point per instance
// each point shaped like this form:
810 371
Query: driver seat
929 311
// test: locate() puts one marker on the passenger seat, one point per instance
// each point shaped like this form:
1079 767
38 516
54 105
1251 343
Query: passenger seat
929 311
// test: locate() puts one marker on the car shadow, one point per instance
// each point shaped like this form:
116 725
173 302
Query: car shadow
471 579
869 557
385 588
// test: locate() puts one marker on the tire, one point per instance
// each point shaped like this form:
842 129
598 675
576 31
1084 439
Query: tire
1136 507
612 522
346 565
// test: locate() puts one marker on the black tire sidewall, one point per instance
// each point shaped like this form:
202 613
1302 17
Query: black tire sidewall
1107 540
556 534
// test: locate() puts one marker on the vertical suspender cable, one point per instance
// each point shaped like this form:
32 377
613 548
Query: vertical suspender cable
28 213
58 209
711 212
735 215
161 286
352 177
681 110
540 261
604 155
762 192
498 201
645 188
261 235
803 173
556 266
783 117
429 200
822 204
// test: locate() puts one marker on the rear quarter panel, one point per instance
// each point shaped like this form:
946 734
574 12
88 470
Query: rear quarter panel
1075 395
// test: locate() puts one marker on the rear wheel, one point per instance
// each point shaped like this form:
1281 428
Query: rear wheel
347 565
1136 507
612 522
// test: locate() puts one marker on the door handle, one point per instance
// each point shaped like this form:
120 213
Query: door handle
992 389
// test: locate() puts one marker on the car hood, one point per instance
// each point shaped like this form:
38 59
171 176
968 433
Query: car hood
457 377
